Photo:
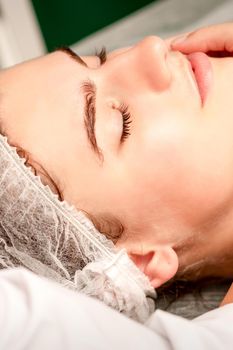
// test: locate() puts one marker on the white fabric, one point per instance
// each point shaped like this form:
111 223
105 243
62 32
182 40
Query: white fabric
36 314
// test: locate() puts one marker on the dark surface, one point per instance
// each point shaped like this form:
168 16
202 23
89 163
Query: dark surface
64 22
192 299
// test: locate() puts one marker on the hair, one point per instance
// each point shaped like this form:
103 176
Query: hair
107 224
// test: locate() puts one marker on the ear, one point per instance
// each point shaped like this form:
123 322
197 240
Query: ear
159 265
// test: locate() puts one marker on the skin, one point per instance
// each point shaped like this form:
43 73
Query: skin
170 182
228 299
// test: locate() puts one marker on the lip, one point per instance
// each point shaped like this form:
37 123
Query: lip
203 73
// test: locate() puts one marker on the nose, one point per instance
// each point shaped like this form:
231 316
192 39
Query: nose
144 65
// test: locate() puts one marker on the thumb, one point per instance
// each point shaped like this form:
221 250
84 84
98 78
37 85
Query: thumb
212 38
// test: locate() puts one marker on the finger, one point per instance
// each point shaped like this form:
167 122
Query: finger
213 38
173 38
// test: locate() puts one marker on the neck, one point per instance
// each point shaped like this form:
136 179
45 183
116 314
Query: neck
208 252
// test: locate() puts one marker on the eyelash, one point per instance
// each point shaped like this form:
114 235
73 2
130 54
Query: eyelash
126 116
102 55
127 120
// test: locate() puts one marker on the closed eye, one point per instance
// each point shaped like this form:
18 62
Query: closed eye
126 121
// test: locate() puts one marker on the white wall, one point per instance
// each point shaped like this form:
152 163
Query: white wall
20 36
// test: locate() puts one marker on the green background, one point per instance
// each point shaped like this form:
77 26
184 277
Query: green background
64 22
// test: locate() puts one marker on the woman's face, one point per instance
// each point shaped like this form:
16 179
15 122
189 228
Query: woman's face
171 170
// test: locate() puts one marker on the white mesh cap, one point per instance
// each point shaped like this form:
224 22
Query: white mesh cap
54 240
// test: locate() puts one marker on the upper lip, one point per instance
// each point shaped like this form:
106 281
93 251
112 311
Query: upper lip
197 69
193 77
183 66
202 71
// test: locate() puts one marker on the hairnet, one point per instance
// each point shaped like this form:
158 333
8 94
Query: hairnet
54 240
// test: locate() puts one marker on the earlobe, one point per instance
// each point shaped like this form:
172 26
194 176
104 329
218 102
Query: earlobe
159 265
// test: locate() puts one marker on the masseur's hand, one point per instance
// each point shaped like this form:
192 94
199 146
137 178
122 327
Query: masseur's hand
228 297
215 39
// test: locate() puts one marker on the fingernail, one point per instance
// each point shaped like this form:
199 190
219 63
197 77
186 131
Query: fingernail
179 40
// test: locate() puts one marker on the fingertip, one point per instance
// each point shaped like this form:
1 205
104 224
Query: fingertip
178 41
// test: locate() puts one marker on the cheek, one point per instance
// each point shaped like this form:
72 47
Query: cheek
163 148
173 171
155 159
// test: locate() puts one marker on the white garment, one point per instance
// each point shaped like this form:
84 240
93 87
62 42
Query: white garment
36 314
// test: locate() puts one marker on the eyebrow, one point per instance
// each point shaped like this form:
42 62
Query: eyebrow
88 89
